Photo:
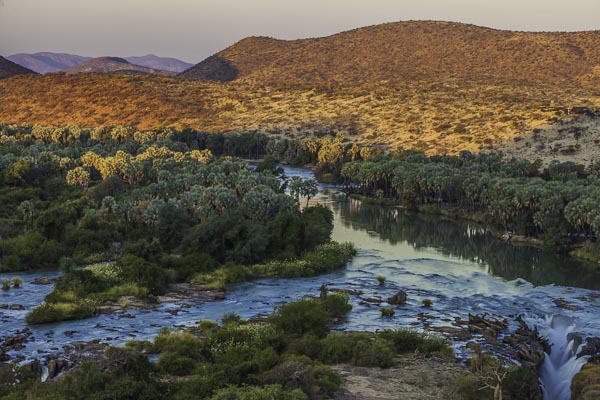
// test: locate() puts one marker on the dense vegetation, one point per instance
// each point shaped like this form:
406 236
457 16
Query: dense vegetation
559 204
284 357
158 207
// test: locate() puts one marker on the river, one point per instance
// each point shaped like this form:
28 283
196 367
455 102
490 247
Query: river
460 267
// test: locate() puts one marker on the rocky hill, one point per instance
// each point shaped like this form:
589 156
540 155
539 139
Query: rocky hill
111 65
47 62
9 69
407 50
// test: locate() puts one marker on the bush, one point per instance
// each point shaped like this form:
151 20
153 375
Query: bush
317 381
381 280
17 282
404 340
231 319
270 392
337 304
54 312
181 344
302 317
5 284
139 271
427 303
387 311
174 364
374 353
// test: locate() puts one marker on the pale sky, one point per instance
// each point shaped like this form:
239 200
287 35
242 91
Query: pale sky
194 29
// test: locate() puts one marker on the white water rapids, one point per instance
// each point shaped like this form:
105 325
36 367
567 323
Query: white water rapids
562 364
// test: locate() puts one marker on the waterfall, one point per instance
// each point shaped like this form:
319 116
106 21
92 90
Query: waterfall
562 364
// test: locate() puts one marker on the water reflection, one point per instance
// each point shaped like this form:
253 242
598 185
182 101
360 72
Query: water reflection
463 240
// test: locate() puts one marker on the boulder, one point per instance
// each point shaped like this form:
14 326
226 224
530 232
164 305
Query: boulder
399 298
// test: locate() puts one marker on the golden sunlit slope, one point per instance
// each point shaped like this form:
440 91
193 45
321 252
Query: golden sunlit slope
406 50
437 116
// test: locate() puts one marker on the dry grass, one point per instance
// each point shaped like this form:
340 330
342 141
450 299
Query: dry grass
443 115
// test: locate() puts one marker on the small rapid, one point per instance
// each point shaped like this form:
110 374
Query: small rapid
562 364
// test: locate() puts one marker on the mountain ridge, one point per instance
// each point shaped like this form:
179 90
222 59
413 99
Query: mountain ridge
112 65
414 48
48 62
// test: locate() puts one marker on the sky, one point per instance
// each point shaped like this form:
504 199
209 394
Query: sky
194 29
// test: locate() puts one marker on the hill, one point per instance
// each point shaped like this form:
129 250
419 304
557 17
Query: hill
47 62
406 50
160 63
110 65
491 99
9 69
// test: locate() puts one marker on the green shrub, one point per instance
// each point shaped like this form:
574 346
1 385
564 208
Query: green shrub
17 282
271 392
54 312
381 280
5 284
337 304
139 271
180 343
361 349
427 303
339 348
231 319
387 311
175 364
404 340
302 317
376 352
207 326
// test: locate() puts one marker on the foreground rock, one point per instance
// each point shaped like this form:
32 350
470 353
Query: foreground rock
416 377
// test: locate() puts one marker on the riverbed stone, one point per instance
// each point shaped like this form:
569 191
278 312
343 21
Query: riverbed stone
399 298
562 303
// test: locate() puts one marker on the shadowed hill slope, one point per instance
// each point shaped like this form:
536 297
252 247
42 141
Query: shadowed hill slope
9 69
405 50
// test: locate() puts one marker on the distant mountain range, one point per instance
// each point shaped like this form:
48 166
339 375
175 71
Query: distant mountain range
9 69
54 62
111 65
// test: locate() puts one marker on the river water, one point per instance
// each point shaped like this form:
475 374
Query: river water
460 267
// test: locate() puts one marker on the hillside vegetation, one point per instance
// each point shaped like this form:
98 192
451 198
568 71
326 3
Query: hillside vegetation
431 86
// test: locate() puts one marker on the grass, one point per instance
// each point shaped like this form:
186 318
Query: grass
54 312
325 258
